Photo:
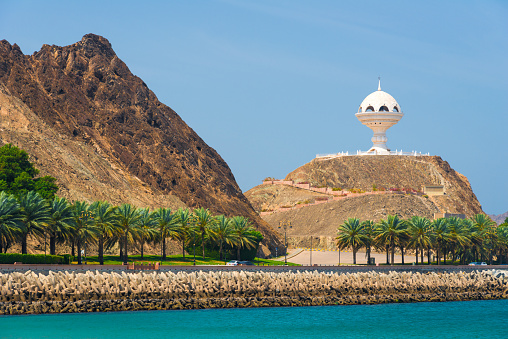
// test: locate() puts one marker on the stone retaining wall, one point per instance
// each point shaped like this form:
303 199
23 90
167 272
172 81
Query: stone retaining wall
62 292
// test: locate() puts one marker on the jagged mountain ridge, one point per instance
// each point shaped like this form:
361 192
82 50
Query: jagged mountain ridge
500 218
92 106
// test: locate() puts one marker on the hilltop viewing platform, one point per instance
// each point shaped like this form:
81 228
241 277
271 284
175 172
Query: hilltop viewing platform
370 152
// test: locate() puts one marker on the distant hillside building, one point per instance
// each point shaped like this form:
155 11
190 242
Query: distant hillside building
433 189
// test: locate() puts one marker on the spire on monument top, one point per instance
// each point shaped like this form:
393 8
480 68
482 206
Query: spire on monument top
379 84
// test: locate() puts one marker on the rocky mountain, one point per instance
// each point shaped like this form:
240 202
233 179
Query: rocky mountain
96 127
500 218
361 173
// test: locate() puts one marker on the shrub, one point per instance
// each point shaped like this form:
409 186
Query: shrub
336 189
269 179
321 198
11 258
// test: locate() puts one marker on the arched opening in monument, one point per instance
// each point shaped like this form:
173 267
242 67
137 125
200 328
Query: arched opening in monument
369 109
384 109
360 110
395 109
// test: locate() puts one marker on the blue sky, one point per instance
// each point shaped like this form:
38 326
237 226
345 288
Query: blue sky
269 84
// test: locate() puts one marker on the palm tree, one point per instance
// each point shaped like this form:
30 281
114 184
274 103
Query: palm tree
167 224
61 222
243 233
474 240
351 234
368 231
440 236
10 221
184 227
146 231
419 230
458 236
391 232
502 233
34 216
84 231
105 223
203 220
223 232
128 219
484 226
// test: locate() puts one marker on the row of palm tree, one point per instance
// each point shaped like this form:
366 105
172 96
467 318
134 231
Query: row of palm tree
102 224
475 239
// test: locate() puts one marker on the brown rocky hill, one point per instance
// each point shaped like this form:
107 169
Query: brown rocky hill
89 122
362 172
387 171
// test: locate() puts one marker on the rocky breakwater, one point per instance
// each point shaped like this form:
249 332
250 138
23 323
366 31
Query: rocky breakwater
63 292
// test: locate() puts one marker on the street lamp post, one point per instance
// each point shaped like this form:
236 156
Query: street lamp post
285 224
311 250
84 216
194 245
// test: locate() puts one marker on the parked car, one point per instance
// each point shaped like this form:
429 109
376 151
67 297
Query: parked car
477 263
233 263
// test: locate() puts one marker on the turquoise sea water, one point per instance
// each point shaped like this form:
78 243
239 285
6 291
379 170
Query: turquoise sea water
466 319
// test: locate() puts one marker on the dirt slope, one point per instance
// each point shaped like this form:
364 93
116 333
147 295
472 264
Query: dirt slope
270 197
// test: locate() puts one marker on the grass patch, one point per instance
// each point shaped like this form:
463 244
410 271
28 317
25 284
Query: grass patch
174 260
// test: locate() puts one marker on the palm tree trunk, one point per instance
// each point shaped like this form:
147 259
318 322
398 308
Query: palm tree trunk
52 244
393 254
163 248
238 253
142 246
416 255
101 250
203 243
368 254
438 258
79 252
402 253
422 256
125 256
73 252
120 244
23 243
444 256
354 255
183 247
428 256
387 254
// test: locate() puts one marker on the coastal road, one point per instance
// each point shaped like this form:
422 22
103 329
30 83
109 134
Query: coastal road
320 257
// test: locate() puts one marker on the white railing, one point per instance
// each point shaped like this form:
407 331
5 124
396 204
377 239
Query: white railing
396 152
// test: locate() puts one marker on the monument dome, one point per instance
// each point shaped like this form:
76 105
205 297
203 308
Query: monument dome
379 111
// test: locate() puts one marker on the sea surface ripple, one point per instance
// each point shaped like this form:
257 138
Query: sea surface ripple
463 319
